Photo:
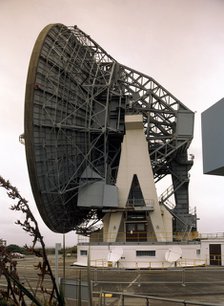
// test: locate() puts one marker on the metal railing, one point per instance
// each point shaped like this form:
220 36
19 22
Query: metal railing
219 235
141 203
145 299
97 237
101 279
185 262
123 237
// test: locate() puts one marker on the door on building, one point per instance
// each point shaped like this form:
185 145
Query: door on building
215 254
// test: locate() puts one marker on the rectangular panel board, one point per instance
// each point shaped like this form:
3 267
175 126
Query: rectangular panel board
185 123
213 139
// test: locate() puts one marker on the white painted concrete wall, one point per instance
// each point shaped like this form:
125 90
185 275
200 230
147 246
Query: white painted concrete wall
193 254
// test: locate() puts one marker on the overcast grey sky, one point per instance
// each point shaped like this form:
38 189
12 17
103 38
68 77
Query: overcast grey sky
180 43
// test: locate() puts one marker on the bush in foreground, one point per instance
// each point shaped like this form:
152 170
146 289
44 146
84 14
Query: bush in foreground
16 293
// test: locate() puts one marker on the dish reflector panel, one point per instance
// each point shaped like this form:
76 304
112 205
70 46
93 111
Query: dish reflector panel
173 254
115 254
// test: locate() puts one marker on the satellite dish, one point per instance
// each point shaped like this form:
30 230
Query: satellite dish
76 99
115 254
173 254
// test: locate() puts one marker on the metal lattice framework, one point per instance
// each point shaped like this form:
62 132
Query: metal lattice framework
76 99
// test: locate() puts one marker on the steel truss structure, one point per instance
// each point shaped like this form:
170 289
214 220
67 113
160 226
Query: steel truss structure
76 99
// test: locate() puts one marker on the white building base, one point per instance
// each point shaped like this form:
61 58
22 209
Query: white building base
151 255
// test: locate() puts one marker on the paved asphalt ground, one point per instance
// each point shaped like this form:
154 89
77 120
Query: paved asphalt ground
205 284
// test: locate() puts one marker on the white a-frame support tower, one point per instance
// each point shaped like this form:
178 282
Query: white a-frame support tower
139 216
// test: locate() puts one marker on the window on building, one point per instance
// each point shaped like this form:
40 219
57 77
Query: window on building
146 253
136 232
83 252
198 252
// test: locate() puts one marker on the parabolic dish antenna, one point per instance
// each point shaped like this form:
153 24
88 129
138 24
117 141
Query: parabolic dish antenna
76 99
115 254
173 254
